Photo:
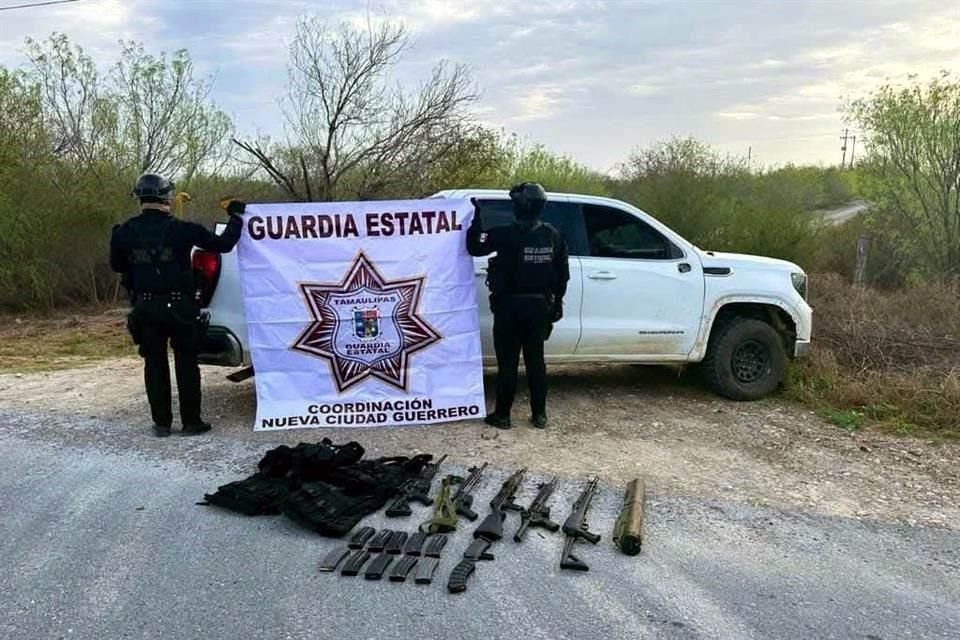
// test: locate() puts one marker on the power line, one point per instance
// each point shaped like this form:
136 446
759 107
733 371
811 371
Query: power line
36 4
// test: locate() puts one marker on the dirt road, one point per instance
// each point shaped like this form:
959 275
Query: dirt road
615 421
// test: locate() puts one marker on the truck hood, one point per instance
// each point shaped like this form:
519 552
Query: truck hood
743 261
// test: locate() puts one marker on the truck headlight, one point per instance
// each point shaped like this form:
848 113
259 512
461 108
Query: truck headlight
800 283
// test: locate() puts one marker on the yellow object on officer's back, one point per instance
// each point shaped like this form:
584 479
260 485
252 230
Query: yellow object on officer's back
178 201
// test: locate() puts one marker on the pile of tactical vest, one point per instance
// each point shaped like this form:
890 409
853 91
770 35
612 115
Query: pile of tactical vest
324 487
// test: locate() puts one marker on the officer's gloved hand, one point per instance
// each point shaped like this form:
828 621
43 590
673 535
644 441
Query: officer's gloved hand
557 311
236 207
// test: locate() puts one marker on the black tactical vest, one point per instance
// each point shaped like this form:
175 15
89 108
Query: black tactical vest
153 261
526 266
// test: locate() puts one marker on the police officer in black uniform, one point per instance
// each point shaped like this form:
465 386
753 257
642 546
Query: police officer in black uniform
152 252
527 279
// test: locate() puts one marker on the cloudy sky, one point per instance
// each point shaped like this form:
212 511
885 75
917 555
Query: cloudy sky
588 78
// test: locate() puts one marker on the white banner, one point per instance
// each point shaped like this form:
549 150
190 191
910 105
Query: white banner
361 313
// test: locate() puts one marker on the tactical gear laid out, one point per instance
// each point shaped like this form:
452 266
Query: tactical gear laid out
152 252
330 487
527 280
324 487
254 496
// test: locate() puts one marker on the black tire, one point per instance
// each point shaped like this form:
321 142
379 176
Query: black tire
745 360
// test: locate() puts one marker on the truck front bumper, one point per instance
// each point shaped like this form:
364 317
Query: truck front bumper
220 347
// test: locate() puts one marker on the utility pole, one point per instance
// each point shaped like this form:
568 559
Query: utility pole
749 155
843 163
853 149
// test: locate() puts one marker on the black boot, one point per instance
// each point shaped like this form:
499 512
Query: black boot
539 421
160 431
195 429
498 421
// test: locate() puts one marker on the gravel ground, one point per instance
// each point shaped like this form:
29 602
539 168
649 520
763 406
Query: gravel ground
101 539
614 421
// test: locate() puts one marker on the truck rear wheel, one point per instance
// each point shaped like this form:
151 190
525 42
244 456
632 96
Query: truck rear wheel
745 359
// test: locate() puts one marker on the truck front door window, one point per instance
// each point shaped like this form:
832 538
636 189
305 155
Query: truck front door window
617 234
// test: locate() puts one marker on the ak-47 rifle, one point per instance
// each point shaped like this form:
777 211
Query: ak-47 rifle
492 526
576 528
489 531
414 490
538 513
447 507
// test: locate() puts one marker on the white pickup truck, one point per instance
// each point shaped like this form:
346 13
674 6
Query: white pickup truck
638 293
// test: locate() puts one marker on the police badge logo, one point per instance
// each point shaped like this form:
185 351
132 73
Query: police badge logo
365 326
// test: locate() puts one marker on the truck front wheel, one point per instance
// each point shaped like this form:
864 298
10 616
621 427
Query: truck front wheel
745 359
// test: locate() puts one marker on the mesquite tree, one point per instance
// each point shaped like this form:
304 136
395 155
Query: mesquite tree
350 131
913 134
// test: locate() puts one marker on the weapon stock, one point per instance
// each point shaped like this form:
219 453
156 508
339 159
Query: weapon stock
538 513
492 526
575 528
414 490
489 531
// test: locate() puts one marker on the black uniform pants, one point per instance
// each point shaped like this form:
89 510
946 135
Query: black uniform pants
520 323
158 322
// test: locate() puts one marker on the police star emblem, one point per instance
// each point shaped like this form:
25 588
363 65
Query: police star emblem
365 326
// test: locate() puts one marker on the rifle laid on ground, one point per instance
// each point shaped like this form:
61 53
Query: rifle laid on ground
489 531
447 507
414 490
492 526
576 528
538 513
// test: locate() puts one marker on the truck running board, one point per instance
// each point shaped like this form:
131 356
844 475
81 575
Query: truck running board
240 376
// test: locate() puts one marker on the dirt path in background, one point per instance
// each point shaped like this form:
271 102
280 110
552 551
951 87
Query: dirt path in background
615 421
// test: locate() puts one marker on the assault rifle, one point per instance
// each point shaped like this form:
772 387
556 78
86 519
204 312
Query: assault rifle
489 531
492 526
414 490
448 507
576 528
538 513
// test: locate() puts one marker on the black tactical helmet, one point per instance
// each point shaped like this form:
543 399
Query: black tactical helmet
528 198
151 187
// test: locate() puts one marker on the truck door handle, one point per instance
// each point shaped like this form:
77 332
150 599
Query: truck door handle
602 275
683 267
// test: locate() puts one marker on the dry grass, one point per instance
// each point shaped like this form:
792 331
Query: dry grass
61 340
889 359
